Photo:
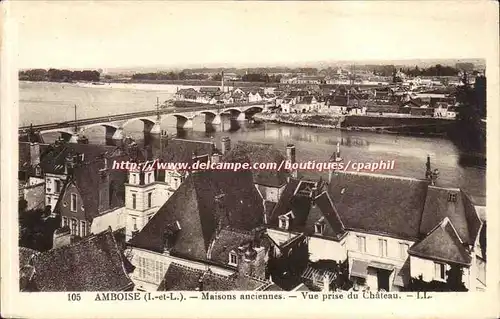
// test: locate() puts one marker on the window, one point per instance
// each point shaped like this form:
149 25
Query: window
452 197
134 201
73 202
382 247
361 243
150 199
439 271
403 250
74 226
318 228
38 171
283 222
134 222
151 270
48 200
83 226
57 186
65 221
233 258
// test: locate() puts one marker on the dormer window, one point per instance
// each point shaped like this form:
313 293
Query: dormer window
452 197
38 171
233 259
319 228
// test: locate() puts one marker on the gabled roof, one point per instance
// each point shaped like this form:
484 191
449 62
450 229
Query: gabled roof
307 99
285 203
249 152
324 208
87 179
379 203
92 264
442 243
460 211
195 207
179 277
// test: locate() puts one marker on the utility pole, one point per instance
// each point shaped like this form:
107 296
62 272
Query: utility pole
76 125
159 120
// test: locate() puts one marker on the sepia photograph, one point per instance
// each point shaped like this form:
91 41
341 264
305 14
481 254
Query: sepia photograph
250 151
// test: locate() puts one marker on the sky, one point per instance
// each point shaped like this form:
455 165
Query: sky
85 34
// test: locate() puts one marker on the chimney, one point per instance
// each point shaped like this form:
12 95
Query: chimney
290 157
61 237
222 82
253 261
290 153
69 164
35 153
225 145
104 191
216 157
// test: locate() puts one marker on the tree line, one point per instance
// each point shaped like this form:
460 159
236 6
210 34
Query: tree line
167 76
57 75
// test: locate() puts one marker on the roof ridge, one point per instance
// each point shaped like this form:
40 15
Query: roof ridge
187 268
81 241
386 176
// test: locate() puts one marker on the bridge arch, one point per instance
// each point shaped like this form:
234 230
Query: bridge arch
211 117
254 108
145 120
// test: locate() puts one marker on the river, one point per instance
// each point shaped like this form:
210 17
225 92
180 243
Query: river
42 102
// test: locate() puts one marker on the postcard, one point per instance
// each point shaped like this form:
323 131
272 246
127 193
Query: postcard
249 159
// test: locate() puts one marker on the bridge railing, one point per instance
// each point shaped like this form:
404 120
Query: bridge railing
117 117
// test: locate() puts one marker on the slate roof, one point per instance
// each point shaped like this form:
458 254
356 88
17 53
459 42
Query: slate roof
284 204
443 221
250 152
178 150
442 243
324 207
395 203
194 207
307 100
226 241
26 255
54 156
92 264
307 210
87 179
179 277
461 212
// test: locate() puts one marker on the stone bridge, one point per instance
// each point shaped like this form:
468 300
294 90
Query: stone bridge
115 124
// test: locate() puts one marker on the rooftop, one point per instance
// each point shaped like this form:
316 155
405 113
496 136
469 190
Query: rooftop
92 264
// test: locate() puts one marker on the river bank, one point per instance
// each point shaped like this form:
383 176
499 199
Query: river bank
379 124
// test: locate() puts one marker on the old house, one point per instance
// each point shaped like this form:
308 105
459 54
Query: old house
306 104
269 182
412 229
211 222
92 198
48 164
147 191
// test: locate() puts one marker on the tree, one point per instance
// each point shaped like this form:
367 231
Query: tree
454 279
